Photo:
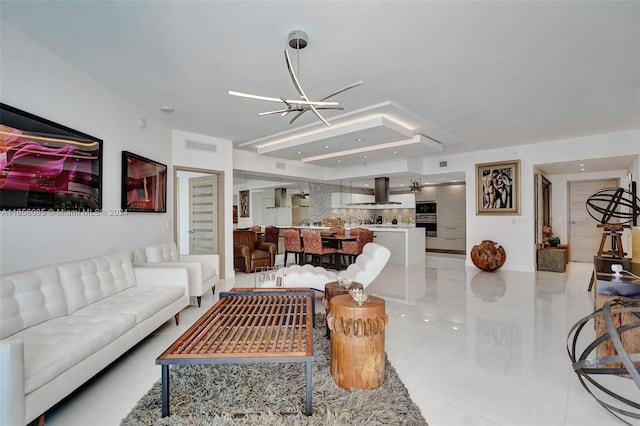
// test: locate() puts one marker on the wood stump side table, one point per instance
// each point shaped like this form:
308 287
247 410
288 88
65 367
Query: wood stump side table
357 342
332 289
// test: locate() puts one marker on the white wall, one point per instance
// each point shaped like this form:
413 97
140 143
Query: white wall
517 233
210 153
36 80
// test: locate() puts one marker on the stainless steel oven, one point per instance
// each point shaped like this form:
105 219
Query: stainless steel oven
429 221
426 207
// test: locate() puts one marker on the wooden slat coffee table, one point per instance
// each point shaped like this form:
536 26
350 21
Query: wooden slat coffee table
247 327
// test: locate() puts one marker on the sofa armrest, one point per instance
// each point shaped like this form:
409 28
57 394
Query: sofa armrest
241 251
161 276
194 268
211 260
12 405
271 248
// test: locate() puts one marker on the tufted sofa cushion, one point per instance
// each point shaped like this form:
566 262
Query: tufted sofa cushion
87 281
30 298
55 346
162 253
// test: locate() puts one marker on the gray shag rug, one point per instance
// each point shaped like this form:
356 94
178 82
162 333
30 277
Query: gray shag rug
274 394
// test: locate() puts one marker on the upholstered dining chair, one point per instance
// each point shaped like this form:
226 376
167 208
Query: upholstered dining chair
293 244
271 235
351 249
313 246
337 230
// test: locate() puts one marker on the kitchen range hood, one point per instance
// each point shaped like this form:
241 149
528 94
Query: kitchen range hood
381 193
279 198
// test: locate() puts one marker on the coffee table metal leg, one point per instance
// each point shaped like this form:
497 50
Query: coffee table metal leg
309 409
165 390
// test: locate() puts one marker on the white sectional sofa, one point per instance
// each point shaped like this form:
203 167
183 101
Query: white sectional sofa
364 270
203 268
62 324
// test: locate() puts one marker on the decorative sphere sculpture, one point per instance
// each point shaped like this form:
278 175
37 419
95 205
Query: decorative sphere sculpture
595 372
614 206
488 255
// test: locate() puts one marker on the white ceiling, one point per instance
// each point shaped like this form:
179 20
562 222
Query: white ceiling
439 77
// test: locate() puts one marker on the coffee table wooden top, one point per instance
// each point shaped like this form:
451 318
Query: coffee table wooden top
248 325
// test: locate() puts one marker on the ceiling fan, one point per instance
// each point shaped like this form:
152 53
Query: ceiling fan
298 40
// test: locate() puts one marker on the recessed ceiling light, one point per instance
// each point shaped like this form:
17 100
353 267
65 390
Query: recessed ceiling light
582 169
402 184
366 184
395 152
166 109
359 140
366 156
339 161
326 147
581 165
299 152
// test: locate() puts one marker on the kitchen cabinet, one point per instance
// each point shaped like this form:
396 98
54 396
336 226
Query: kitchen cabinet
451 219
428 193
451 205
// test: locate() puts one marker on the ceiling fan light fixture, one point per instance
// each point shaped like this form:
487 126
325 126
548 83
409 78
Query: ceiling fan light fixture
297 39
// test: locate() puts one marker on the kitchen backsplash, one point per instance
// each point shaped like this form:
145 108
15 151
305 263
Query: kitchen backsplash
320 206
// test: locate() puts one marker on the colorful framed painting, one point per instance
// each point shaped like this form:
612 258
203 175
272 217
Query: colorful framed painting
47 166
498 188
144 184
243 201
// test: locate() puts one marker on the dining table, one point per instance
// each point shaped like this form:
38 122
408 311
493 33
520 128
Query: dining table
336 241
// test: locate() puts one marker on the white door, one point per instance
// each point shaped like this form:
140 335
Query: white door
203 215
584 234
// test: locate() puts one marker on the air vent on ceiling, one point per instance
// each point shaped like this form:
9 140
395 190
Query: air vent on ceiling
280 165
201 146
443 164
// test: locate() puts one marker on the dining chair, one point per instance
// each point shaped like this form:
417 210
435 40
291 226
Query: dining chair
313 246
337 230
351 249
293 244
271 235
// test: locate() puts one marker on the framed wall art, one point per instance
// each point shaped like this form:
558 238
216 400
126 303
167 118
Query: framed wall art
498 188
243 201
144 184
47 166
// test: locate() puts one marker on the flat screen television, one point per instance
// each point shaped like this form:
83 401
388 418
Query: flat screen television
47 166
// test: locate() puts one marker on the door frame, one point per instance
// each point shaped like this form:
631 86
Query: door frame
221 209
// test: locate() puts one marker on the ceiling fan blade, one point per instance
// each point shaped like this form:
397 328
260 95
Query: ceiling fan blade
286 101
330 107
250 96
296 83
351 86
315 111
279 111
295 117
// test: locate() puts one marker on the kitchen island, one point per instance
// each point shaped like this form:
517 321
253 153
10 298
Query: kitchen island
406 242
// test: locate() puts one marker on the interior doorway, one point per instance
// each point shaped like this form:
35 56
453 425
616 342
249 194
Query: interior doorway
584 234
199 212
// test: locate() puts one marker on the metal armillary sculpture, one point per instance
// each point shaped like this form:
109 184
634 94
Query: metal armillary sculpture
613 206
592 371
